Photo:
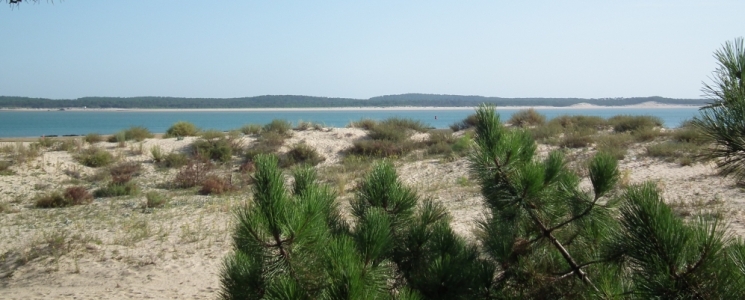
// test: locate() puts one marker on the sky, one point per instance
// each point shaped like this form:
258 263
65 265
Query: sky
360 49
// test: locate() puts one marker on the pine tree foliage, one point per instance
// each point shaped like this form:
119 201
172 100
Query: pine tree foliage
667 258
543 230
723 119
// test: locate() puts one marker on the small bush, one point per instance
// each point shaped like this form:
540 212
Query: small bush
215 149
212 134
174 160
468 122
22 154
301 154
440 136
303 126
690 134
5 168
52 200
95 157
119 137
99 176
117 189
546 131
366 124
282 127
645 134
268 143
251 129
78 195
137 133
462 144
401 123
155 199
579 122
123 172
93 138
626 123
388 133
46 142
526 118
381 148
614 144
157 153
216 185
193 174
69 145
575 140
181 129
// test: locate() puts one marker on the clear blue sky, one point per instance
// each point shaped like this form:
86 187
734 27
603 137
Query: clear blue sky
360 49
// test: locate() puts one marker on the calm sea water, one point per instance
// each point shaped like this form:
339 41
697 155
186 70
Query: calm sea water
37 123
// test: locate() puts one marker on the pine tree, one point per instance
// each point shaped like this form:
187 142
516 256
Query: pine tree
723 119
543 231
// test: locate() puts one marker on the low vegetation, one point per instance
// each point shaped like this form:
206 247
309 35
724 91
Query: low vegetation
94 157
301 154
527 118
117 189
181 129
136 133
76 195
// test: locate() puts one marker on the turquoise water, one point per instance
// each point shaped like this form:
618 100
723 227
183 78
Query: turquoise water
37 123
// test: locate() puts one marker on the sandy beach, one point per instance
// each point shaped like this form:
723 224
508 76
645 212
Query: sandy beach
114 248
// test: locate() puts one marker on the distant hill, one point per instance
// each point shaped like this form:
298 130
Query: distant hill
291 101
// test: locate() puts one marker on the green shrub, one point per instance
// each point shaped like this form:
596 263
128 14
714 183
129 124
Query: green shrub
68 145
268 142
615 145
469 122
301 154
547 131
117 189
94 157
5 168
52 200
46 142
282 127
388 133
251 129
181 129
579 122
645 134
157 153
402 123
137 133
690 134
462 144
215 149
93 138
212 134
174 160
75 195
627 123
382 148
576 140
365 124
155 199
526 118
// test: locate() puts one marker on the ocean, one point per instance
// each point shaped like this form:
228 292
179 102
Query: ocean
17 123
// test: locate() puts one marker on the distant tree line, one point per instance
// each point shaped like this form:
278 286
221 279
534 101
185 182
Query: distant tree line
291 101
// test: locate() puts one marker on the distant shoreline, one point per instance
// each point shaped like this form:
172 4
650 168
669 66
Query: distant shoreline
574 106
